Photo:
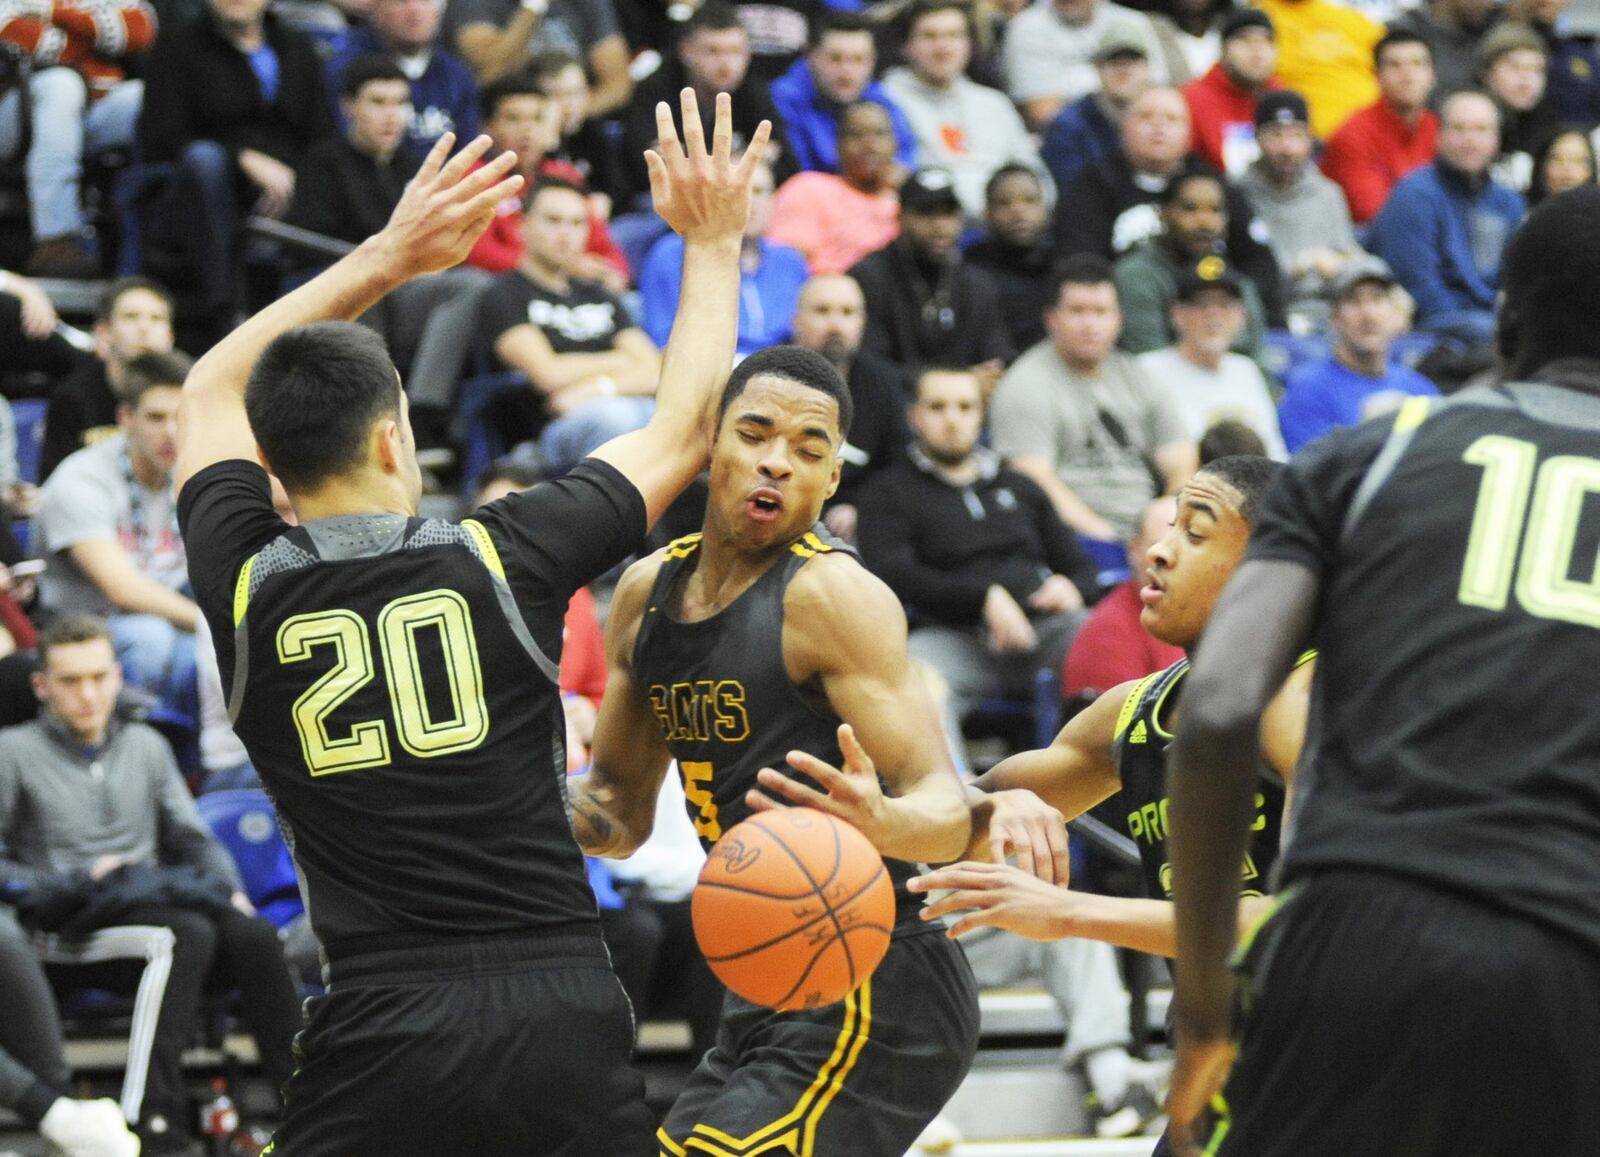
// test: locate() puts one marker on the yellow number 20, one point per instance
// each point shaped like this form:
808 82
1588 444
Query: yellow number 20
399 624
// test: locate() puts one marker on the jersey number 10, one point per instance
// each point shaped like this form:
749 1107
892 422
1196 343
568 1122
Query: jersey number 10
399 623
1545 588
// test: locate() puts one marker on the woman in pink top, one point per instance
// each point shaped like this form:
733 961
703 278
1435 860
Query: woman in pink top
837 220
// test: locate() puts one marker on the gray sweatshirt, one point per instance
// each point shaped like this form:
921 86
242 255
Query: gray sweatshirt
63 806
1310 214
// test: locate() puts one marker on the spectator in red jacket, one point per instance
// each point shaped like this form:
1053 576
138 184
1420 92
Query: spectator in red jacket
1222 103
83 104
1113 647
1383 142
518 115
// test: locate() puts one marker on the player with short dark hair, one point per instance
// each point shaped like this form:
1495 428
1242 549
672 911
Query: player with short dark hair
1119 743
763 639
1431 981
394 680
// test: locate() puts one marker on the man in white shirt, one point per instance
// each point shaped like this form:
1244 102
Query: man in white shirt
1208 383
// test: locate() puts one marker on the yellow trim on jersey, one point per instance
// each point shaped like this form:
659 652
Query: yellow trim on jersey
1305 657
683 547
486 547
1155 712
1130 705
669 1144
796 1129
1219 1106
1413 411
1261 921
809 545
241 590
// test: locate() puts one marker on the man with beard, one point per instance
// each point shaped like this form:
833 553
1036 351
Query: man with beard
994 579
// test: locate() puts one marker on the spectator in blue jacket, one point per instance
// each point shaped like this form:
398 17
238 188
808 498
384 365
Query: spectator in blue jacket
1091 126
444 96
1574 78
770 277
1444 227
835 72
1359 379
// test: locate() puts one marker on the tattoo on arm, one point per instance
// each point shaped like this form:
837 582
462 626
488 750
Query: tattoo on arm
598 834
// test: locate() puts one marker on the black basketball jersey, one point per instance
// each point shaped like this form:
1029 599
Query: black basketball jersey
1143 735
723 696
400 701
1454 738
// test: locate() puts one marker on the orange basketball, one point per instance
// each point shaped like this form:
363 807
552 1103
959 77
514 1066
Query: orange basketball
793 909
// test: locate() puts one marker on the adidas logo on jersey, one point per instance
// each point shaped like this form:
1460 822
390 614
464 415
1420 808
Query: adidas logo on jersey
1139 733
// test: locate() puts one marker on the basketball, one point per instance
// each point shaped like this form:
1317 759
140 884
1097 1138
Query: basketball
793 909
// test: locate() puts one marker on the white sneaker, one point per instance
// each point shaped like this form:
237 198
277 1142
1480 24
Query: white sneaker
88 1129
941 1136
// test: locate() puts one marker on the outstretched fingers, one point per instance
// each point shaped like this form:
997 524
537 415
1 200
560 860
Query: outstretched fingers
455 174
755 152
434 161
668 148
856 759
722 131
694 133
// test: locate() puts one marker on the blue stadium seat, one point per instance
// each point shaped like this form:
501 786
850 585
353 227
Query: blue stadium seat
481 442
28 413
246 824
634 234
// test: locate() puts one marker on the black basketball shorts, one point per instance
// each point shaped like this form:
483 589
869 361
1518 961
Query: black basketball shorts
492 1048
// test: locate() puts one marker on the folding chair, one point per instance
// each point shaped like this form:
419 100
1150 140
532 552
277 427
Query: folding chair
245 823
144 942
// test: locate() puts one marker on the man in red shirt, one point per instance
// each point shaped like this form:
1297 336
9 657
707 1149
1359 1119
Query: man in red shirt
1383 142
1222 103
521 119
1112 646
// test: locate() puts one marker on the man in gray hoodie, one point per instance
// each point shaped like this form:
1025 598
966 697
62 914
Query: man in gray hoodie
1304 212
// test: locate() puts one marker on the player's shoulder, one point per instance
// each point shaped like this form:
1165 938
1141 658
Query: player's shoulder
834 586
632 594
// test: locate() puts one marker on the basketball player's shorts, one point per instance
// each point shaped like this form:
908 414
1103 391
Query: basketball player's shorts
490 1048
860 1078
1386 1018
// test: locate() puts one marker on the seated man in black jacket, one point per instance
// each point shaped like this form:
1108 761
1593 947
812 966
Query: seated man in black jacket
925 306
232 99
994 582
346 188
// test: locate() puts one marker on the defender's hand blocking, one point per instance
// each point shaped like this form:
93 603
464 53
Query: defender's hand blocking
853 793
704 196
446 207
997 896
1020 825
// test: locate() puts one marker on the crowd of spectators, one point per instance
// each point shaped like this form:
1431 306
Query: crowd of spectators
1061 250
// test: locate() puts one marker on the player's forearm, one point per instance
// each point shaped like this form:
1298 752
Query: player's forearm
563 370
143 596
343 292
930 824
601 824
699 353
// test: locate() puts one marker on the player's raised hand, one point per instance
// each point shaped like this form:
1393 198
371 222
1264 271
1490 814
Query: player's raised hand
703 195
447 206
997 896
852 793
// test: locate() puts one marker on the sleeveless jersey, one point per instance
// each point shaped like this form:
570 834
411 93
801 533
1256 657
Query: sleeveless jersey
723 696
409 729
1454 740
1143 735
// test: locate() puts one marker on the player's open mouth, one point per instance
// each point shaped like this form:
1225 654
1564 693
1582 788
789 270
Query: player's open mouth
764 505
1151 592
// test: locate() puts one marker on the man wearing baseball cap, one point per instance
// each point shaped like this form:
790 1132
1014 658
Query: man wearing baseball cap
1307 220
1091 127
925 306
1209 383
1359 379
1222 103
